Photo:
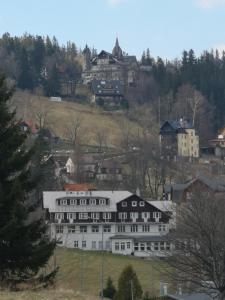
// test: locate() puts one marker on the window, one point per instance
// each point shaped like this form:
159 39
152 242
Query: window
59 216
83 229
134 228
63 202
84 244
156 246
162 227
83 216
92 202
72 201
145 215
71 229
124 204
107 228
162 246
167 246
122 246
107 245
149 246
59 229
101 201
121 228
128 245
76 244
142 247
95 228
134 203
93 245
83 201
106 216
136 248
142 203
95 216
156 215
122 215
117 246
145 228
100 245
133 215
71 216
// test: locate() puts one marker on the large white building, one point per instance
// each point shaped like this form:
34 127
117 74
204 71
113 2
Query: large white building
115 221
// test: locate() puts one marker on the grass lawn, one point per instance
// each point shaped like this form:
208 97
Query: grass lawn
80 273
60 115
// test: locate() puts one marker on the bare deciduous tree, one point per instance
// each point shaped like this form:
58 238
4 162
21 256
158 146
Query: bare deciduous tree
199 259
73 130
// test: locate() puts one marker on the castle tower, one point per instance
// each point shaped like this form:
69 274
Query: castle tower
117 51
87 58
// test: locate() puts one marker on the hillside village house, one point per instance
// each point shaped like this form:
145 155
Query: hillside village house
116 221
181 192
218 144
179 139
110 66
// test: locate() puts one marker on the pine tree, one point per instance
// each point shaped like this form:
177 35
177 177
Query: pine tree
128 285
24 246
110 289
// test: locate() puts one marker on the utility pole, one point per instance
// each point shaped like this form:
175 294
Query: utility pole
102 266
131 289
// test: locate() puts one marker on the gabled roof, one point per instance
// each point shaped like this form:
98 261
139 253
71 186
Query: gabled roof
176 126
214 184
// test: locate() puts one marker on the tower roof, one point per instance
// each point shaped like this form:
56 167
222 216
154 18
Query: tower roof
117 51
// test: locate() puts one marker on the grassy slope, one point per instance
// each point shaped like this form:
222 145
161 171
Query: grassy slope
60 116
68 281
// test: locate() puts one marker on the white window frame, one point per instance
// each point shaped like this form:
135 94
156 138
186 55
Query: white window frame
122 246
134 203
107 228
134 228
59 216
83 216
102 202
71 229
146 228
71 216
83 201
124 204
157 215
59 229
63 202
92 201
95 215
122 215
95 228
84 244
83 229
142 203
106 215
76 244
117 246
121 228
73 202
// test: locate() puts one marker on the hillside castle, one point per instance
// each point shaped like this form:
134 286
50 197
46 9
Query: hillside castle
110 66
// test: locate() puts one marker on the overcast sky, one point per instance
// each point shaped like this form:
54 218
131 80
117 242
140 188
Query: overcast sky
166 27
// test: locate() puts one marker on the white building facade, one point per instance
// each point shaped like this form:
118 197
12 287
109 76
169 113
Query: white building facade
115 221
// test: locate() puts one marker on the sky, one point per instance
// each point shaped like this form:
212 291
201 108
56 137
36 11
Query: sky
166 27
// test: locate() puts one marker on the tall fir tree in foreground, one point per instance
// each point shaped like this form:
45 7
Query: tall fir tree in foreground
24 245
129 286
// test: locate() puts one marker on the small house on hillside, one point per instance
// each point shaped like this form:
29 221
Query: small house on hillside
218 144
181 192
107 93
109 170
179 139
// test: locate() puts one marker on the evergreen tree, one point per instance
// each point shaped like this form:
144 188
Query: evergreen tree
128 285
24 246
110 289
25 80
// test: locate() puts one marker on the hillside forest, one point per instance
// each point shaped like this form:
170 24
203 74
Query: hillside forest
189 86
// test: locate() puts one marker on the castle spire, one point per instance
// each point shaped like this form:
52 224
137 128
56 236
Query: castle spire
117 51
